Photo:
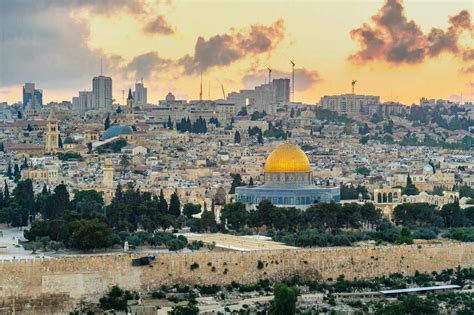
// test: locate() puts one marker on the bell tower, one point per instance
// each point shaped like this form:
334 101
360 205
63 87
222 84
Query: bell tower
52 133
108 169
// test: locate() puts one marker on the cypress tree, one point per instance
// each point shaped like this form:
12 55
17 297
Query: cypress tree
44 191
107 122
237 137
175 205
6 192
162 202
9 170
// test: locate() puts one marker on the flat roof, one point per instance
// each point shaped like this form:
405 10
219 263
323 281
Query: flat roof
421 289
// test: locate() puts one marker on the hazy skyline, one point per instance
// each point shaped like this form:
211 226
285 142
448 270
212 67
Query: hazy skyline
393 48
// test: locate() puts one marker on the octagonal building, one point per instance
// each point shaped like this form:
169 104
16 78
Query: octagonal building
288 182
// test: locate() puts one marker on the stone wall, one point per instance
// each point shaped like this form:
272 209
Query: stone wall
57 284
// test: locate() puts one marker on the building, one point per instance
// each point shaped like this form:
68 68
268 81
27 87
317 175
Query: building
52 133
32 98
133 149
102 90
84 102
288 182
351 103
281 90
140 95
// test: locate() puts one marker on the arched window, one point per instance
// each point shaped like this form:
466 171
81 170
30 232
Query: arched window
390 198
384 198
379 198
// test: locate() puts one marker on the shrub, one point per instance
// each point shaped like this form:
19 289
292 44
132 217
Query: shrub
194 266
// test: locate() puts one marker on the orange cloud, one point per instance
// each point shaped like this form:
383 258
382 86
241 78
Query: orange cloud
222 50
394 39
159 26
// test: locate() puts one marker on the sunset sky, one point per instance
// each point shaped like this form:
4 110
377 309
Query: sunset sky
400 50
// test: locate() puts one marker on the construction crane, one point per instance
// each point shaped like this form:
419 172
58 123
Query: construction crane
269 75
292 80
200 91
353 85
223 92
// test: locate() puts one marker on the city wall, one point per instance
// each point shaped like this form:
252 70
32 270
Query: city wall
52 285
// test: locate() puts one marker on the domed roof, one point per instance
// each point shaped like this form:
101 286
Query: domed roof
287 158
115 131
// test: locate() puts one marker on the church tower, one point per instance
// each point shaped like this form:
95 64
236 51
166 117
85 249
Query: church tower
130 108
108 180
52 133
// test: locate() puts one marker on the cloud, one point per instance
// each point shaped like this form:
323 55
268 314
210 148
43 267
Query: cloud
44 44
394 39
222 50
159 26
143 66
468 69
305 79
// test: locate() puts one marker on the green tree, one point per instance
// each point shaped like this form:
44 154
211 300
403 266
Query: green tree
237 138
60 141
236 182
284 300
9 170
175 205
16 173
364 171
410 188
88 203
90 234
208 221
107 123
235 215
116 299
163 204
190 209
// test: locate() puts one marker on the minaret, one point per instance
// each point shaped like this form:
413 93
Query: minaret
52 133
108 169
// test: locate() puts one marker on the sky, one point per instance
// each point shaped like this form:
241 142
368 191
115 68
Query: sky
400 50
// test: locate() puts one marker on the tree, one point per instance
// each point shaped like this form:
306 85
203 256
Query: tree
236 182
107 123
251 181
364 171
60 141
33 246
19 115
44 191
88 203
25 199
410 188
57 203
190 209
170 123
16 173
90 234
237 137
243 111
208 221
452 215
235 215
6 192
116 299
175 206
29 128
292 112
163 204
260 138
9 170
284 300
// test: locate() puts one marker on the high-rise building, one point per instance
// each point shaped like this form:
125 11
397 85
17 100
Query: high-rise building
281 90
102 89
351 103
84 102
140 95
32 97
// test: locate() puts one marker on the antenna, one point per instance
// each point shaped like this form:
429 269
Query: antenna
269 75
100 66
292 80
353 85
200 91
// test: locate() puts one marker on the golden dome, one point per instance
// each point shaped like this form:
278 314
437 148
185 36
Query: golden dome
287 158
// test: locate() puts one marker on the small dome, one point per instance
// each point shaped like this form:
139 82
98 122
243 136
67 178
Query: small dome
68 140
428 169
115 131
287 158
